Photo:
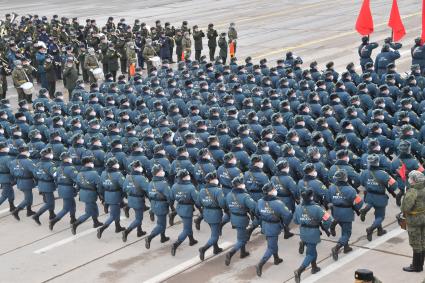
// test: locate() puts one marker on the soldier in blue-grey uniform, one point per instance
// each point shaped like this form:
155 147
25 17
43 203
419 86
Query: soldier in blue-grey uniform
65 179
287 190
310 217
160 197
186 196
111 187
44 174
274 215
376 182
136 187
88 183
345 201
22 169
239 203
212 201
6 179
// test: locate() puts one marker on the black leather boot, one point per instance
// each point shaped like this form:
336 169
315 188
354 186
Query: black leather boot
15 213
30 212
12 206
347 249
277 259
202 251
140 232
217 249
36 218
416 263
72 219
244 253
52 223
52 214
314 267
148 240
229 257
369 232
118 227
74 227
301 247
100 230
171 217
363 214
259 268
335 251
96 223
332 228
125 234
174 248
164 238
297 274
192 241
197 222
381 231
287 233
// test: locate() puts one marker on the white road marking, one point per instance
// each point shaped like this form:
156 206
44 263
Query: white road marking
185 265
67 240
352 256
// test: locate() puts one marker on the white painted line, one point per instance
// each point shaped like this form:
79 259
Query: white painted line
352 256
68 240
4 210
185 265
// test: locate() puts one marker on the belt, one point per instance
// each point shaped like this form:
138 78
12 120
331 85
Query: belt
342 205
376 193
112 190
284 196
25 178
63 184
184 203
415 212
238 214
269 221
214 208
136 196
88 189
255 191
309 226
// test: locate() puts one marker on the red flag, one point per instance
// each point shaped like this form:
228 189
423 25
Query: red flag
395 22
364 23
423 22
402 172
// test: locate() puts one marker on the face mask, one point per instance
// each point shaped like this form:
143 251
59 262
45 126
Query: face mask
18 134
260 165
6 150
90 165
49 156
96 127
27 154
214 182
138 169
296 139
314 174
118 146
116 166
274 193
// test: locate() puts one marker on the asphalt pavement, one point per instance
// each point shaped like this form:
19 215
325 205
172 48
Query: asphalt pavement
319 31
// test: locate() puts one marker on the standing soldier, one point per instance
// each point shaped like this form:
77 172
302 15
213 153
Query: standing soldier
197 37
233 36
131 59
186 46
45 182
310 217
136 188
418 54
404 163
413 208
365 52
70 75
344 201
239 204
112 60
88 182
65 178
160 197
222 44
186 196
90 63
376 182
81 57
19 77
212 201
6 179
212 41
148 54
22 170
179 45
112 181
274 216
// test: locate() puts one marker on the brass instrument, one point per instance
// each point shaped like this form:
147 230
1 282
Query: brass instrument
3 28
5 65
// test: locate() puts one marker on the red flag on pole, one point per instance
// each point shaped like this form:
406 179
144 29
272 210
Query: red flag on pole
395 22
423 22
364 23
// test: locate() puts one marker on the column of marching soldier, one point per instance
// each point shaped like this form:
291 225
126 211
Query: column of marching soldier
244 143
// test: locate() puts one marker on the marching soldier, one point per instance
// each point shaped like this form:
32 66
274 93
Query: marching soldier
65 178
274 215
136 188
88 183
112 181
23 171
212 201
345 201
6 179
161 198
376 182
239 203
310 217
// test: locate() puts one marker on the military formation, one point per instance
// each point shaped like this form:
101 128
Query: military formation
243 144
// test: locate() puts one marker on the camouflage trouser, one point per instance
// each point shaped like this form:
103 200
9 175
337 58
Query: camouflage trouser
417 237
